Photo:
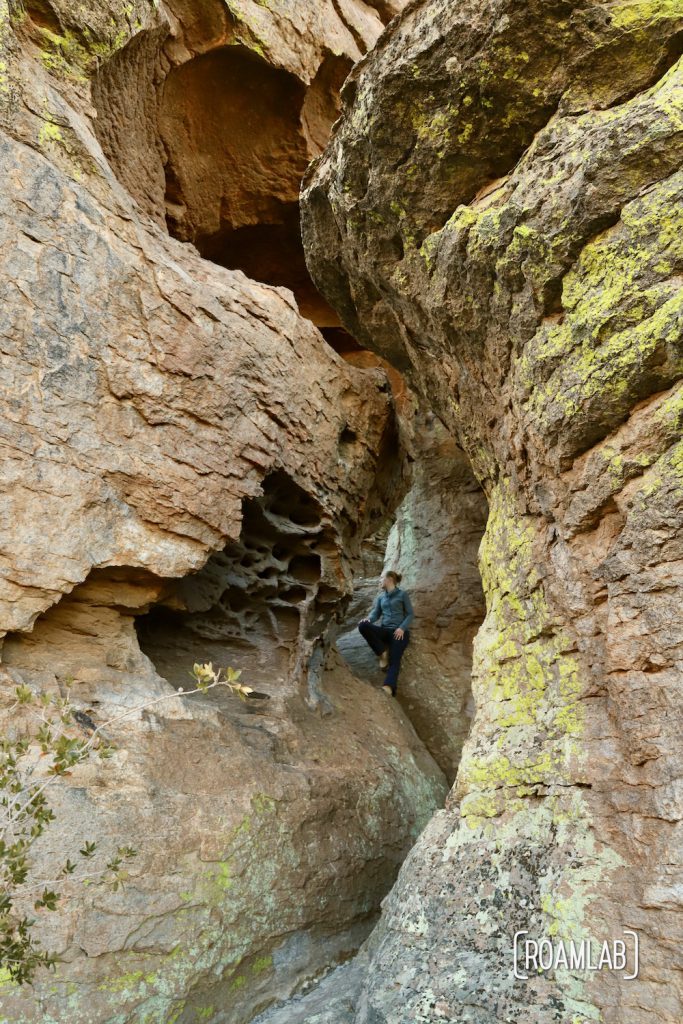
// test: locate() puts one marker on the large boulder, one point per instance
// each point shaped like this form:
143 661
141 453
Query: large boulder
498 214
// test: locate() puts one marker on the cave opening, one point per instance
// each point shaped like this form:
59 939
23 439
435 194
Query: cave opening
212 141
237 136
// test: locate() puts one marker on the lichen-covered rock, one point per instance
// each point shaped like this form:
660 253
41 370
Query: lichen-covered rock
188 472
499 215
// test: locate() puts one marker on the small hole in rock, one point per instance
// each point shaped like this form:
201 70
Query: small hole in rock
305 568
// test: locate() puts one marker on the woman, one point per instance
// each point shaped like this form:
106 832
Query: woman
395 612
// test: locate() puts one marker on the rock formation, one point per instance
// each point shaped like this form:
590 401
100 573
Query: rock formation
189 471
213 443
498 215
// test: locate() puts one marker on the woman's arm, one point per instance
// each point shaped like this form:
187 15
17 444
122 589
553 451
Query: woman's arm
408 609
376 610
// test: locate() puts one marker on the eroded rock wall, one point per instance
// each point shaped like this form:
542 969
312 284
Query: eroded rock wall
211 115
188 471
504 191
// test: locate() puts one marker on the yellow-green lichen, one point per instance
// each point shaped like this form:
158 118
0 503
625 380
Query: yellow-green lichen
632 13
261 963
666 472
133 981
622 316
526 678
429 124
50 132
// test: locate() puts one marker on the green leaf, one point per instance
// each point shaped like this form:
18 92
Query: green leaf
49 900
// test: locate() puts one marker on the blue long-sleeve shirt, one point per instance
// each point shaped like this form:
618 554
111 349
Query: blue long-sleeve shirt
394 608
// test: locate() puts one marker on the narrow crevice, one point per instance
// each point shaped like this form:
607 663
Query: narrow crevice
43 14
357 38
432 538
386 10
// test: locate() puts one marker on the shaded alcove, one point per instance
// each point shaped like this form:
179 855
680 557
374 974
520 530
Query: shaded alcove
235 152
215 147
43 14
237 136
273 253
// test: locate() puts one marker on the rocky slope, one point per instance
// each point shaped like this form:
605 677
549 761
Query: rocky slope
498 214
189 471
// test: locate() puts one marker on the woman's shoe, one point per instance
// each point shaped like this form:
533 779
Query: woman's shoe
384 659
388 690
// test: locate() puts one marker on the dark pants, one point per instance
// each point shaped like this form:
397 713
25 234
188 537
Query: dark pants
381 637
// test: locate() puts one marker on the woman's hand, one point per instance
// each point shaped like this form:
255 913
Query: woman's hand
398 633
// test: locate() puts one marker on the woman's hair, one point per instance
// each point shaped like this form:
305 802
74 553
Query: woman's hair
396 575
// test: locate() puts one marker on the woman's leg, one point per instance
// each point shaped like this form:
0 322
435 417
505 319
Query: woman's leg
374 636
396 649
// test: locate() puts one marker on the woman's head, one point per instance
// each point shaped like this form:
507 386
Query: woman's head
391 579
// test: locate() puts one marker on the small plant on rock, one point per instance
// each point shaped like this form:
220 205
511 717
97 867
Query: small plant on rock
48 741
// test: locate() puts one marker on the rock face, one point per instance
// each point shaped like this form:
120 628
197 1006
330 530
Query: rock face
189 471
498 214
